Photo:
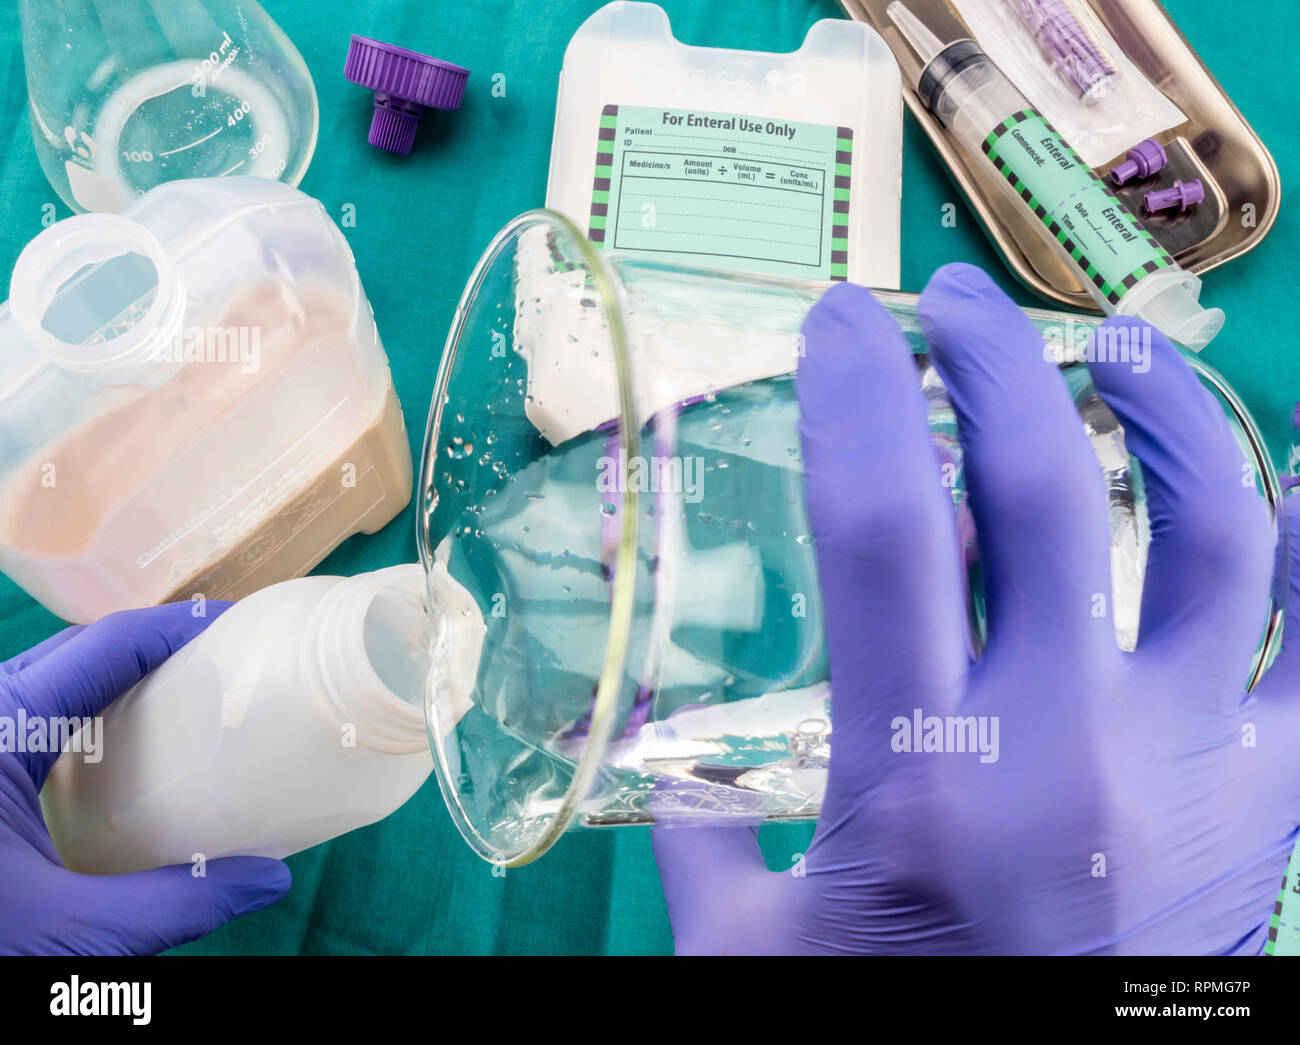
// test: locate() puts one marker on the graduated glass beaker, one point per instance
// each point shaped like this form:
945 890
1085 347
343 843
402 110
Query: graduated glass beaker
612 472
126 96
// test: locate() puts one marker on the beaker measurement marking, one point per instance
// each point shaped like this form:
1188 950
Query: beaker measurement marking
216 62
232 169
173 152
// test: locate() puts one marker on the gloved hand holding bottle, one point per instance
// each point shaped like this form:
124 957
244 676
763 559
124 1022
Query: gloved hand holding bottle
1137 802
45 909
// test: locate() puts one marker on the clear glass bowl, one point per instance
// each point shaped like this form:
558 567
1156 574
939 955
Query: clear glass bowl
612 471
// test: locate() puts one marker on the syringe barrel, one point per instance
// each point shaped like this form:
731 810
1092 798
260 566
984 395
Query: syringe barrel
968 93
1113 256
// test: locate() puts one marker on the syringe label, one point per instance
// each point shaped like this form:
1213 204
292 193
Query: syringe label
756 193
1099 232
1284 925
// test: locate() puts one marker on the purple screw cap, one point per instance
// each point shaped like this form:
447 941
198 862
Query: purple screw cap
1144 159
1181 195
405 84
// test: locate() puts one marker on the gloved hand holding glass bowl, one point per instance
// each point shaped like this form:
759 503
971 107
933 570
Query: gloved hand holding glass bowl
1139 802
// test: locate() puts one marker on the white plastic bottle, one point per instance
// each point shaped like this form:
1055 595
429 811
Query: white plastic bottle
296 716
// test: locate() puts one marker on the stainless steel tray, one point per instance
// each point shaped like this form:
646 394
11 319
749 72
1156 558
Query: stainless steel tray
1215 143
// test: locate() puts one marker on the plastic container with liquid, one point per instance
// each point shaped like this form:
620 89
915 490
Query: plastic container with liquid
126 96
194 400
296 716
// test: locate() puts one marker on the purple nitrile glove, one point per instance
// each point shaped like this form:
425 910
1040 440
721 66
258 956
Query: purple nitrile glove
1139 802
45 909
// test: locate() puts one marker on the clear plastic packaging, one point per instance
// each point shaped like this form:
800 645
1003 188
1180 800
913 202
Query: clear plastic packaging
193 401
126 96
1100 127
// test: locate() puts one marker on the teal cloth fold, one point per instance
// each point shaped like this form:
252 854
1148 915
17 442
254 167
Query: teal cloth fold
409 884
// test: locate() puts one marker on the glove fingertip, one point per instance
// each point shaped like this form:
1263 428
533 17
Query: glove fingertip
959 284
1123 346
250 882
836 334
958 278
965 315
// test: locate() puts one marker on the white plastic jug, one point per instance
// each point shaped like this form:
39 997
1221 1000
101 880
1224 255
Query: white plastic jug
193 401
298 715
126 96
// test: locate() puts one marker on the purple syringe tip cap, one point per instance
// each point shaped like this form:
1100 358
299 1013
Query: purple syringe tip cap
1182 194
1144 159
405 84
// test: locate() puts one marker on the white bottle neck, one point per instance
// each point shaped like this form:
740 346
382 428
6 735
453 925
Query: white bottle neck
340 667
